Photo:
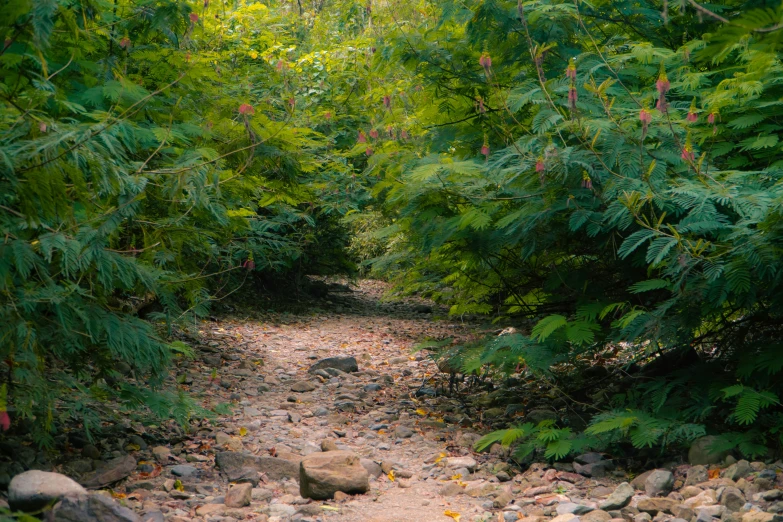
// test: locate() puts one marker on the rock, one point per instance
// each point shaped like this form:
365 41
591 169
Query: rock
638 482
282 511
572 507
702 452
91 452
461 462
94 507
184 471
696 475
595 469
302 386
659 483
345 364
372 467
567 517
619 498
502 500
339 496
32 490
450 489
239 495
210 509
596 515
589 458
656 505
153 516
732 498
403 432
236 465
161 454
322 474
757 516
683 512
110 472
738 470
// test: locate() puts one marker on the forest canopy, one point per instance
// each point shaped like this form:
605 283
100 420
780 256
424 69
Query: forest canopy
605 175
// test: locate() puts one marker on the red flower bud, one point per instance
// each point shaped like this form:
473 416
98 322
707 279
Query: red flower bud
246 109
362 137
125 42
193 18
387 101
540 167
5 421
374 134
368 151
485 150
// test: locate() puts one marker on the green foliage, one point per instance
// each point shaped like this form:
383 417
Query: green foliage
555 443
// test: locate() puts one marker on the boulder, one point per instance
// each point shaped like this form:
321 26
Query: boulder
589 458
594 469
732 498
659 483
95 507
372 467
461 462
738 470
302 387
344 364
239 495
702 451
619 498
597 515
757 516
236 466
110 472
33 490
323 474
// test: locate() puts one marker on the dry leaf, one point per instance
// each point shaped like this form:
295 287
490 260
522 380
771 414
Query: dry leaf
391 475
714 473
457 476
242 431
452 514
440 457
178 485
421 412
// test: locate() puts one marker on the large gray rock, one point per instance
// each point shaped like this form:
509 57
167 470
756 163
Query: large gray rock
344 364
33 490
659 483
94 507
738 470
110 472
239 495
619 498
656 505
594 469
236 466
321 475
732 498
702 451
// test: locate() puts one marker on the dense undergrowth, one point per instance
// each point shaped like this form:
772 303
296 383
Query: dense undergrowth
603 174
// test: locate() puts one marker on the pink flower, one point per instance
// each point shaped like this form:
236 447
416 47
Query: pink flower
645 117
246 109
193 18
390 130
687 155
572 97
249 264
485 150
387 101
540 166
485 61
280 65
587 182
661 104
368 151
362 137
327 115
42 126
482 109
125 43
692 117
5 421
404 135
374 134
571 70
711 118
292 102
662 84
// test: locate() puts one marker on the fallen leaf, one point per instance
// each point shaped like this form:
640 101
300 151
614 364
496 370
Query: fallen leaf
391 475
440 457
457 476
452 514
242 431
421 412
178 485
714 473
133 447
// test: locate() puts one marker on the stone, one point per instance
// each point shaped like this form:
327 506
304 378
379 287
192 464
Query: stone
596 515
702 451
683 512
161 454
451 489
372 467
344 364
210 509
403 432
572 507
94 507
322 474
239 495
328 445
339 496
595 469
567 517
732 498
183 471
660 482
502 500
738 470
110 472
91 452
757 516
302 386
619 498
638 482
589 458
235 465
32 490
696 475
656 505
461 462
282 511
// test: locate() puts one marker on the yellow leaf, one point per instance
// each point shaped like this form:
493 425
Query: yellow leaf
133 447
391 475
440 457
242 431
457 476
253 55
421 412
462 484
452 514
178 485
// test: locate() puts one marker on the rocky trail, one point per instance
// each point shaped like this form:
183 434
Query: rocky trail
333 419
